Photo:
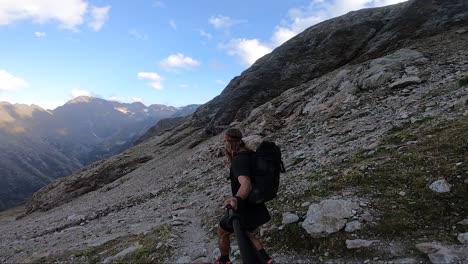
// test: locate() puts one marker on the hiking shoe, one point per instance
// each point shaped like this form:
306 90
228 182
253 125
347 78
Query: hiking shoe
219 261
270 261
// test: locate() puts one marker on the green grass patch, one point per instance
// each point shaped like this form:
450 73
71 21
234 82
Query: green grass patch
294 238
463 81
147 249
439 152
409 159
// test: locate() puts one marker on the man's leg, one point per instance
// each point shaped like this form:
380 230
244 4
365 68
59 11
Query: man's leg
223 241
259 247
257 244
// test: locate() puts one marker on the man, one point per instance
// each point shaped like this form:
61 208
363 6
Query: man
251 215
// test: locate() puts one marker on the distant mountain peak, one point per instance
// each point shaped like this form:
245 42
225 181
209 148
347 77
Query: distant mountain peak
82 99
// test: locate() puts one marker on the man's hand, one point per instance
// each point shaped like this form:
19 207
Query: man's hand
232 201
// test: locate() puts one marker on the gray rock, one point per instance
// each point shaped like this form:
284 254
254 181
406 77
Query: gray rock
177 223
367 217
328 217
463 238
438 253
289 218
440 186
184 259
359 243
463 222
405 261
122 254
404 82
353 226
74 217
253 141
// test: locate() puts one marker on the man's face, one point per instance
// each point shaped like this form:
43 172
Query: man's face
227 145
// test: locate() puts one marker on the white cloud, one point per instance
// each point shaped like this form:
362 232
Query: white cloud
69 13
99 17
173 24
205 34
141 35
179 60
184 86
117 99
248 50
9 82
126 100
154 78
317 11
224 22
50 105
220 82
39 34
297 25
137 99
77 92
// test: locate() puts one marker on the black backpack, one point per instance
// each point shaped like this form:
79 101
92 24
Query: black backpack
267 165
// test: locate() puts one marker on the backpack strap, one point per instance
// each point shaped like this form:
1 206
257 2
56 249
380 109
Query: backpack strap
282 168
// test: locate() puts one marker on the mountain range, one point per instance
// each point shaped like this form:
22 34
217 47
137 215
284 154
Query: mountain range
40 145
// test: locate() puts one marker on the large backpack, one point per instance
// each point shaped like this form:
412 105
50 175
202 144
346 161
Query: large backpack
267 166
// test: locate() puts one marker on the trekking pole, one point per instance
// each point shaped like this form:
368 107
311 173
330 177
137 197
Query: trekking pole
246 248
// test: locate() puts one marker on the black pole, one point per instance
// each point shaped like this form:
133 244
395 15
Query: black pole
247 250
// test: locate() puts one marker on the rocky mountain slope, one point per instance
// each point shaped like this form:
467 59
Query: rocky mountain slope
39 146
370 110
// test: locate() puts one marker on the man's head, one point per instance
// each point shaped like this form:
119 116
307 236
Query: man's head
232 142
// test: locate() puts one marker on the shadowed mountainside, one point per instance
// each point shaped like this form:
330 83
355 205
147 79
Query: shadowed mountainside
39 146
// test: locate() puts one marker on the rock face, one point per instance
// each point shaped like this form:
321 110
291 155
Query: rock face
356 37
329 216
330 108
162 126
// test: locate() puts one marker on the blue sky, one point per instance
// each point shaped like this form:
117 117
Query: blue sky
173 52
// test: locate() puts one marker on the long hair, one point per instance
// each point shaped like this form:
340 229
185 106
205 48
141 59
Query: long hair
233 143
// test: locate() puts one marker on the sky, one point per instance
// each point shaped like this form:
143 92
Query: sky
172 52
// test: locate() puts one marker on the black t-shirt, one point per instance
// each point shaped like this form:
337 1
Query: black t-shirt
252 214
241 166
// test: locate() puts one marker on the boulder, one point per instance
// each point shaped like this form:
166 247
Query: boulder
440 186
438 253
463 238
329 216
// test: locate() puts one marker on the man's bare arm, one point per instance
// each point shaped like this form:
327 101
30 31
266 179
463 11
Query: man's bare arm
245 188
243 192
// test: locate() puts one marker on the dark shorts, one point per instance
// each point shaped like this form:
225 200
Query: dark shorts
251 217
226 226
